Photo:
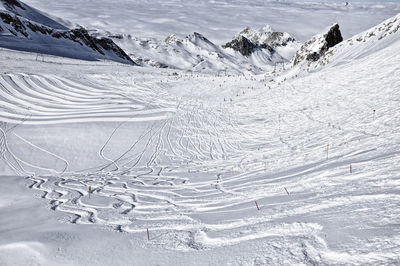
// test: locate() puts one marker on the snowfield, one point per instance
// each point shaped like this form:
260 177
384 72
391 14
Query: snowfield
113 164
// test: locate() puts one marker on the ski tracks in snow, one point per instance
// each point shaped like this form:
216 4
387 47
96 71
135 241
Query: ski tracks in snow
193 174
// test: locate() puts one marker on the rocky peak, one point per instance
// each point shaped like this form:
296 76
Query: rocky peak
266 38
196 37
334 36
318 45
242 45
267 35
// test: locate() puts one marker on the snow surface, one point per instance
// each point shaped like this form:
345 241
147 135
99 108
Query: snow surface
221 169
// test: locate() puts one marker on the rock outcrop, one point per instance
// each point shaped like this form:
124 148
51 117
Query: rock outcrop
242 45
318 45
265 38
268 36
334 36
362 44
11 4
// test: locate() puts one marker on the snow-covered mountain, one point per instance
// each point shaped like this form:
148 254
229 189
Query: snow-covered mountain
194 53
282 42
24 28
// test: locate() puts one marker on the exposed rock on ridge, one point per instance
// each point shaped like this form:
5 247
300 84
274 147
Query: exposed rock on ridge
242 45
318 45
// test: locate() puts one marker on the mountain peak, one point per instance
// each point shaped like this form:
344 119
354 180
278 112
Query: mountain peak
242 45
318 45
282 42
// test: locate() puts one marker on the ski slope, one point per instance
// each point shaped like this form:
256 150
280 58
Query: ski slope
220 169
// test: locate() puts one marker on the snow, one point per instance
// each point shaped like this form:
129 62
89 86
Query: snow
219 168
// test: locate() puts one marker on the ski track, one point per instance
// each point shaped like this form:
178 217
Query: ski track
49 100
193 175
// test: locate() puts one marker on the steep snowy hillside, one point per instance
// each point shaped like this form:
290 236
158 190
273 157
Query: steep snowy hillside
329 49
49 37
363 44
21 9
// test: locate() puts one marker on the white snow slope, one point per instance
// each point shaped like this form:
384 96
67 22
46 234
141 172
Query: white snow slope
200 169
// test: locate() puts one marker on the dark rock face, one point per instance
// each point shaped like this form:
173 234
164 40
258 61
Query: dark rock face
313 56
334 36
246 47
12 4
242 45
21 26
37 28
16 23
108 45
81 36
199 36
266 46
